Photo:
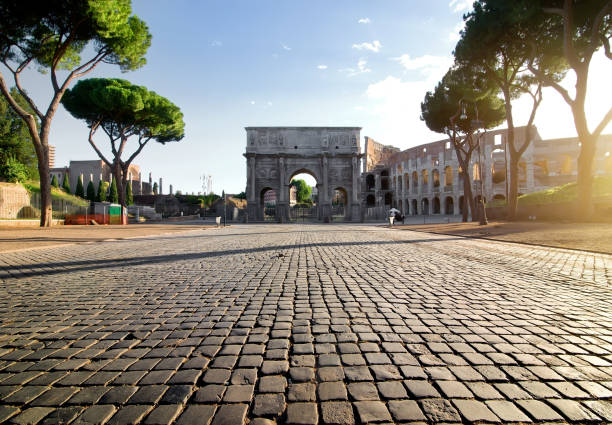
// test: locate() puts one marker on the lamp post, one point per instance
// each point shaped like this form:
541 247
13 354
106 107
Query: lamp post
477 125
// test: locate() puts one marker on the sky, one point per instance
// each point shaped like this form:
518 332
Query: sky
229 64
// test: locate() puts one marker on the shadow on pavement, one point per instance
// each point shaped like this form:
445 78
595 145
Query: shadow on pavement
83 265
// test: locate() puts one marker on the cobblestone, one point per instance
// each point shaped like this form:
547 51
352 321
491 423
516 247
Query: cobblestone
305 324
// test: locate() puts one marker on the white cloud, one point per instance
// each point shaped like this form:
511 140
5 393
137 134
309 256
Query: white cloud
364 21
373 46
362 68
285 47
269 103
322 66
454 35
252 102
394 105
431 67
216 43
460 5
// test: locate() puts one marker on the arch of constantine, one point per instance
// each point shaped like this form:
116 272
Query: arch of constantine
275 155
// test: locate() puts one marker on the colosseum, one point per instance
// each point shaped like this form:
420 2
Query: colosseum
426 179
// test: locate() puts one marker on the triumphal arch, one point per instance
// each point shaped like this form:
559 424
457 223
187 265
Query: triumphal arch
276 154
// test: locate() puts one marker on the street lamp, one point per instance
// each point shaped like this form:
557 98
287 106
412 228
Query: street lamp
478 124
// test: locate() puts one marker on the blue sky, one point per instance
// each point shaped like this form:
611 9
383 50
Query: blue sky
230 64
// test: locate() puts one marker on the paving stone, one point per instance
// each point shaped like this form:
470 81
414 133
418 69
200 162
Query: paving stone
507 411
129 415
421 389
272 384
392 390
196 414
574 411
372 411
301 392
88 395
330 373
454 389
62 415
118 395
177 394
32 415
6 412
332 391
337 413
539 411
55 397
439 410
475 411
233 414
96 414
148 394
163 414
406 410
363 391
602 408
238 394
302 413
210 394
358 373
269 404
25 395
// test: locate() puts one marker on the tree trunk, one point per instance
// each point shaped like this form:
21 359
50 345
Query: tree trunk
46 209
42 155
511 149
584 201
124 183
512 201
118 176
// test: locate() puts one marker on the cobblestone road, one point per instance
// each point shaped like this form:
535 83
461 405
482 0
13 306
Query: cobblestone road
304 325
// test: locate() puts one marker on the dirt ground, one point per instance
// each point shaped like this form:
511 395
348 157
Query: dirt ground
15 238
595 237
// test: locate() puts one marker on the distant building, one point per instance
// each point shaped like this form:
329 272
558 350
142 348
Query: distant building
427 179
51 156
97 170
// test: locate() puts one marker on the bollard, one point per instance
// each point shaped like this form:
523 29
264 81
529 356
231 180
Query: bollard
391 221
218 220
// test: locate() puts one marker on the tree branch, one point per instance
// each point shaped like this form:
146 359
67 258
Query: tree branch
596 24
604 122
25 115
549 81
92 130
16 76
606 46
537 99
141 145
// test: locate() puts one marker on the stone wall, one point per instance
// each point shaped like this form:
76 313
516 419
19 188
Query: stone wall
14 199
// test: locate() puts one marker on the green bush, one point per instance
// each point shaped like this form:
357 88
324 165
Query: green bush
14 171
66 184
54 182
91 192
602 187
113 195
101 194
80 191
129 197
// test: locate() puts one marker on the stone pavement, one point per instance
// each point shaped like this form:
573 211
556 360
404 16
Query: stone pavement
329 324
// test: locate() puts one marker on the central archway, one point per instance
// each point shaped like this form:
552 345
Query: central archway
303 190
331 155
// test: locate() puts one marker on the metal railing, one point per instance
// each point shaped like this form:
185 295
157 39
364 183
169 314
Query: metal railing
60 207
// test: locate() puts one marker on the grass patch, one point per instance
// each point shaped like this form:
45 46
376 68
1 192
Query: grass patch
602 187
56 194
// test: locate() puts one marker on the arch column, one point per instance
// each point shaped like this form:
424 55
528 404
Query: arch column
253 198
282 206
